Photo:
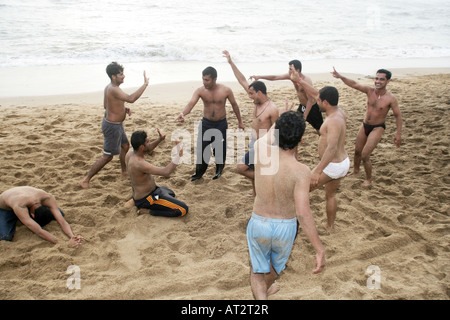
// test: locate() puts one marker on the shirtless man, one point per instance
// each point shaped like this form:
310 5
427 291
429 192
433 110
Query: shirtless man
115 139
334 161
264 116
214 97
308 105
379 101
160 201
281 199
35 208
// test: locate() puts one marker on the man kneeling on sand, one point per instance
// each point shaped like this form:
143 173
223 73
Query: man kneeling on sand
160 201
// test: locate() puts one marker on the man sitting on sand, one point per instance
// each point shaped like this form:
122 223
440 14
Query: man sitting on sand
282 197
160 201
379 101
115 138
35 208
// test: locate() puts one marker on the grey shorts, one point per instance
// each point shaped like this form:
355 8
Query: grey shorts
114 137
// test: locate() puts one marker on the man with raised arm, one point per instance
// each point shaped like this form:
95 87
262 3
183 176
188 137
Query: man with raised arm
115 139
379 101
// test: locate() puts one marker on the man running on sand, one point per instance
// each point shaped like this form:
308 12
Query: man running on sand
115 139
379 101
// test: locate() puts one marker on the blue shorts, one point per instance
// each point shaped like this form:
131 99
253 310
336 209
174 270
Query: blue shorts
270 242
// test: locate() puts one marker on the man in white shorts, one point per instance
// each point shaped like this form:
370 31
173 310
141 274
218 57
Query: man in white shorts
334 162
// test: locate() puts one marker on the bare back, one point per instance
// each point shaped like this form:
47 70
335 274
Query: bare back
278 193
23 197
333 131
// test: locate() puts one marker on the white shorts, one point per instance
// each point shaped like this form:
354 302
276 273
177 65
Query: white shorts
337 170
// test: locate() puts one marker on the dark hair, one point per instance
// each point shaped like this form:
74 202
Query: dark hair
138 139
297 64
291 126
43 215
330 94
258 86
113 69
210 71
387 72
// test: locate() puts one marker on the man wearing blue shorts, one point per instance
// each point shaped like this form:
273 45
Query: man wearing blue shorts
282 196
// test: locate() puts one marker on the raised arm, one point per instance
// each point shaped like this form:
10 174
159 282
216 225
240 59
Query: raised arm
310 90
237 73
351 83
131 98
272 77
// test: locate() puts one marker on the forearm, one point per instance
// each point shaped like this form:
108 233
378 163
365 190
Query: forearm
309 228
138 93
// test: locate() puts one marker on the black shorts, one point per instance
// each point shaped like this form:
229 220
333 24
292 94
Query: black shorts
314 116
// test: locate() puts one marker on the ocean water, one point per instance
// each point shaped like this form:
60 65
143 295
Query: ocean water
57 33
71 32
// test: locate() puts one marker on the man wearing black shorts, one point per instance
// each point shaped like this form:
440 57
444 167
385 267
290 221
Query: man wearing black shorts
308 106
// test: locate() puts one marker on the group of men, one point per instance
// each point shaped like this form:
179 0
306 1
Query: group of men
281 198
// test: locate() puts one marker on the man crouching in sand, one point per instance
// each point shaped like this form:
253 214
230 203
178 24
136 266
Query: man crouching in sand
282 197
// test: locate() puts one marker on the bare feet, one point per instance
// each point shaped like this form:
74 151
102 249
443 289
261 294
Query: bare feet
143 211
274 288
129 203
84 184
367 183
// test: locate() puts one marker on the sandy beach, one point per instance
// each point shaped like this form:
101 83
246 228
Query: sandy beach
400 224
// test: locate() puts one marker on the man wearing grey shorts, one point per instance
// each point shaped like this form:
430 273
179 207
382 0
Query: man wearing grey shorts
115 139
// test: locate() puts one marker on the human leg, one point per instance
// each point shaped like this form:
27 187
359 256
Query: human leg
8 221
331 202
361 139
124 147
263 284
96 167
371 143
